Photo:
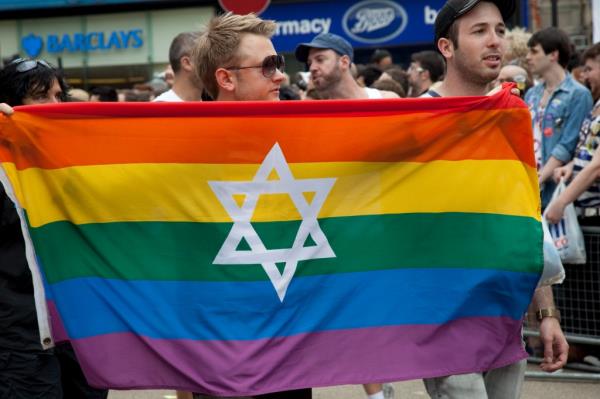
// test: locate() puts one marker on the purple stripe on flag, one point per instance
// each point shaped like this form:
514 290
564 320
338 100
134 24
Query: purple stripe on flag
234 368
59 333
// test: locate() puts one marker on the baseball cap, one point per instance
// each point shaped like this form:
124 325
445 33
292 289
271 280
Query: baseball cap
325 41
454 9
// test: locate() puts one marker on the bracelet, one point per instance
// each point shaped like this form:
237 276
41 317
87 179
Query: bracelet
548 312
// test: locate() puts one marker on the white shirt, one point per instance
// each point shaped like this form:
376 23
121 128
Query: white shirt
373 93
168 96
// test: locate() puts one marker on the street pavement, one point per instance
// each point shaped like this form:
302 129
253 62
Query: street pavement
414 390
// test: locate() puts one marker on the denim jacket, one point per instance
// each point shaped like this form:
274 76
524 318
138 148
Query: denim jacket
565 111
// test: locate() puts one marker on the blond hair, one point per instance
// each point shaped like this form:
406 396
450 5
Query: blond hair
516 52
217 46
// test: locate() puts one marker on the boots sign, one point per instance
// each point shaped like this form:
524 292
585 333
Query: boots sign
365 23
373 21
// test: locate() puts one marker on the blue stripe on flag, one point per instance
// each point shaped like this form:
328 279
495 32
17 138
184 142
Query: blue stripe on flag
251 310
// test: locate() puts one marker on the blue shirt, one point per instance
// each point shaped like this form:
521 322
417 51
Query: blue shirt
559 122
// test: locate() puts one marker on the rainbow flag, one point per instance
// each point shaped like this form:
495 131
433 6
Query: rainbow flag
244 248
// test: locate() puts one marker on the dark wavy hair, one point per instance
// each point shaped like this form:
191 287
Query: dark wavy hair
553 39
591 53
15 86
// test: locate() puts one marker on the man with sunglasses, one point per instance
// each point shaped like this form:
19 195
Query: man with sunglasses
27 370
329 58
470 36
236 61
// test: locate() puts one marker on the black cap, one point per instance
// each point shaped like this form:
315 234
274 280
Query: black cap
454 9
325 41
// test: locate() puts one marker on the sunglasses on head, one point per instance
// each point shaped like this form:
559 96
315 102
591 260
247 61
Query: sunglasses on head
24 64
269 65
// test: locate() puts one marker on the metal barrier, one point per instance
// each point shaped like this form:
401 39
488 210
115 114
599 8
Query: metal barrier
578 300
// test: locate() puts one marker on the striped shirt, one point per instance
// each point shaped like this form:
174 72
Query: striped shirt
588 142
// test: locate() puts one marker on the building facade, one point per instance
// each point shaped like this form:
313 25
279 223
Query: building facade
95 46
573 16
122 42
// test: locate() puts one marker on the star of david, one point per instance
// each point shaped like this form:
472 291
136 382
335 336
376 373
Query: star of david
242 228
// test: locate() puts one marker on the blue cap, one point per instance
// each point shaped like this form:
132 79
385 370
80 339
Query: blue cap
325 41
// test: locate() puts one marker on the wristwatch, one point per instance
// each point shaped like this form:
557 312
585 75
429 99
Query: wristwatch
548 312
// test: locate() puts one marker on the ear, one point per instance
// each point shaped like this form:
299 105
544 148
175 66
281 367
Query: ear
446 47
554 55
186 63
225 80
345 61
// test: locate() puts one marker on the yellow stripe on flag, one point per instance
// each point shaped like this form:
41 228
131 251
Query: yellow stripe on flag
180 192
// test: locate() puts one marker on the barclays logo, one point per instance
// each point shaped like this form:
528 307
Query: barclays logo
375 21
32 45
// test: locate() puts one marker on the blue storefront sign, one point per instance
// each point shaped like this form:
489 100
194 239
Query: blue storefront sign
367 23
82 42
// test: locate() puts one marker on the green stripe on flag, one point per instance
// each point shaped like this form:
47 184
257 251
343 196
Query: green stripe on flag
185 251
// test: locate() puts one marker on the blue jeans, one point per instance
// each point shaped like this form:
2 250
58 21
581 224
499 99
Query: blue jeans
501 383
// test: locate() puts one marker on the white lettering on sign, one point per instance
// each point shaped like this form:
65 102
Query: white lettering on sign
371 19
430 15
303 26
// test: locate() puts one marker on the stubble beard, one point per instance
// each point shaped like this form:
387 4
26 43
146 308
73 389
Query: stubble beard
329 82
482 77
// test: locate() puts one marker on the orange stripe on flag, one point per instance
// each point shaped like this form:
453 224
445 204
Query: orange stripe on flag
421 137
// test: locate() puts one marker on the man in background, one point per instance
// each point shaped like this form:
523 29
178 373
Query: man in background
329 58
558 105
186 84
382 58
426 68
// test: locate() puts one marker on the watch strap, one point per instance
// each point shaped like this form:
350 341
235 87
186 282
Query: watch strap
548 312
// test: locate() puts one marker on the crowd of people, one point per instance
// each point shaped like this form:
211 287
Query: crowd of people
233 59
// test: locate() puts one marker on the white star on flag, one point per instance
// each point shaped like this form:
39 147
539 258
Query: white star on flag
243 229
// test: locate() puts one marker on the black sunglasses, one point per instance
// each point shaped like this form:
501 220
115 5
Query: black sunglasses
24 64
269 65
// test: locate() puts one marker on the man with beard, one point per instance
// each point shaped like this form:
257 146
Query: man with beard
329 58
470 36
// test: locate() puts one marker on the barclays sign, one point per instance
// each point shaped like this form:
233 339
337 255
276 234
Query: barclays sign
375 21
33 44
